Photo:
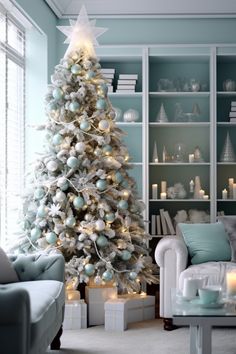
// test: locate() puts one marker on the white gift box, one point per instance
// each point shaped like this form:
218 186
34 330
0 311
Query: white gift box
96 297
127 309
75 315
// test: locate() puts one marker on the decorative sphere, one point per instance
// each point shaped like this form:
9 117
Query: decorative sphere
107 276
75 69
123 204
60 196
97 152
90 74
133 275
52 166
131 115
64 186
88 217
80 147
100 225
39 193
101 104
102 241
81 237
78 202
118 177
103 124
72 162
70 221
51 237
102 89
89 269
57 139
35 233
126 255
107 149
87 64
57 93
61 181
101 184
74 106
98 66
85 125
52 106
118 114
42 211
110 217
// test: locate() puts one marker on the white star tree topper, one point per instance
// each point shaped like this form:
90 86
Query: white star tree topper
82 34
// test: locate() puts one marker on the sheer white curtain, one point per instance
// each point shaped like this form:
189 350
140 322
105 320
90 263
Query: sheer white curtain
12 122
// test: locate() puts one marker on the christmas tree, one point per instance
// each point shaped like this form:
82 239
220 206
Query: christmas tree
82 201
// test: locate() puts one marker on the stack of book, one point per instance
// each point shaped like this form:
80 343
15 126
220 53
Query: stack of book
109 74
162 224
232 113
126 83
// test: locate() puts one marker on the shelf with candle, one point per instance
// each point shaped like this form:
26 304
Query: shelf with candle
181 200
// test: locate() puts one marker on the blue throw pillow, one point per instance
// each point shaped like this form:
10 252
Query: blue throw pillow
206 242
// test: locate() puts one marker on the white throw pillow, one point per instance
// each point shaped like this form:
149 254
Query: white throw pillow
7 272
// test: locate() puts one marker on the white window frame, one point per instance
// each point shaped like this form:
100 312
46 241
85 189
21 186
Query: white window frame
18 59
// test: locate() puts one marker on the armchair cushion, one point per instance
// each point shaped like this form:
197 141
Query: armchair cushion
7 272
206 242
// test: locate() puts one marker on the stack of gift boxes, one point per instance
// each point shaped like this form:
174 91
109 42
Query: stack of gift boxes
106 308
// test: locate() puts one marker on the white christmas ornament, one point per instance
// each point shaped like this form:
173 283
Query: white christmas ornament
82 34
100 225
104 124
80 147
52 166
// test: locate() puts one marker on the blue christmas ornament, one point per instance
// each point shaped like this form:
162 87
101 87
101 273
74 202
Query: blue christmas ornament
64 186
110 217
51 237
102 241
52 106
90 74
39 193
118 177
70 221
126 255
101 184
107 149
101 104
72 162
42 211
85 125
133 275
74 106
57 93
89 269
107 275
98 66
104 88
123 204
78 202
35 234
75 69
57 139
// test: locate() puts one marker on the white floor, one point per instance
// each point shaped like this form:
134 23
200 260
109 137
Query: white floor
141 338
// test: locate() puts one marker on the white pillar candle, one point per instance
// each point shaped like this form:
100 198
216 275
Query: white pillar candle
224 194
191 158
231 283
234 191
190 288
163 186
206 197
231 182
163 195
201 193
154 191
191 186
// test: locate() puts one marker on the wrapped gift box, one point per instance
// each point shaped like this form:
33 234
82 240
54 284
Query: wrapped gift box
127 309
96 297
75 315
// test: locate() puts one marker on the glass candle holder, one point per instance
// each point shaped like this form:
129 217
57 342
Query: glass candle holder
231 283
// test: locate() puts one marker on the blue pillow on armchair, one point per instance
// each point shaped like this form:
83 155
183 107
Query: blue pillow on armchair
206 242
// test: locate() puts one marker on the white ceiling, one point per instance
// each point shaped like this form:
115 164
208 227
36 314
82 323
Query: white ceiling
104 8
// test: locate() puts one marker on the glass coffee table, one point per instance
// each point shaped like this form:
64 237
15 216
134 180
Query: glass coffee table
201 319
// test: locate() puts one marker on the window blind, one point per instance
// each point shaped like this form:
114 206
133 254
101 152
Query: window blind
12 123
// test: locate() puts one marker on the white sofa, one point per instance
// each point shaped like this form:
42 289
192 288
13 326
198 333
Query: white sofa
171 255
